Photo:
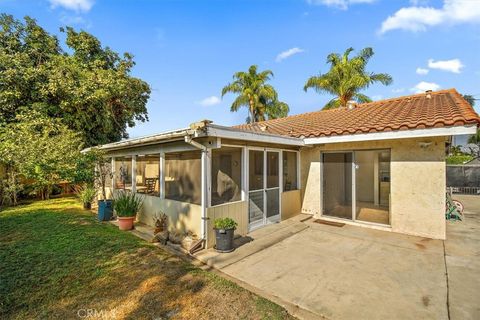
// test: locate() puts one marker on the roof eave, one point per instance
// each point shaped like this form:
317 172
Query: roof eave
392 135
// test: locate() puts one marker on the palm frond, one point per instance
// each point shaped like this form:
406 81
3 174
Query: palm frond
347 77
359 97
332 104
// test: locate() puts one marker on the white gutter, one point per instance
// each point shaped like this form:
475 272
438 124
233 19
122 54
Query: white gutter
388 135
213 130
204 176
146 140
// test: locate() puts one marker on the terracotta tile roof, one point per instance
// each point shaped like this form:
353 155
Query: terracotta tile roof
444 108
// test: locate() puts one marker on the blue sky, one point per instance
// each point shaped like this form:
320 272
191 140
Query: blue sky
188 50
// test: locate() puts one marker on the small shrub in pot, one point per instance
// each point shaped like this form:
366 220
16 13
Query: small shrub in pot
127 204
224 231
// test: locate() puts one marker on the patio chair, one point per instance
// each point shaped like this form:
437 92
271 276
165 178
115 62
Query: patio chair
150 183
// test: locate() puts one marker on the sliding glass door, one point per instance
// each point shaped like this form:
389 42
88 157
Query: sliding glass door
337 184
356 185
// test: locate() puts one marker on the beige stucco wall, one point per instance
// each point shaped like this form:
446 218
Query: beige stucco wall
291 203
417 199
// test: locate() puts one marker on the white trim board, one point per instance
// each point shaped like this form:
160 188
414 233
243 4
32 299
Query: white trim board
389 135
236 134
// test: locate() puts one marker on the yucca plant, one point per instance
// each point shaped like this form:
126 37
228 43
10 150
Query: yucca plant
86 194
127 204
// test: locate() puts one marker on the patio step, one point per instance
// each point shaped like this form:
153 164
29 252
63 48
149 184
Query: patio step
262 239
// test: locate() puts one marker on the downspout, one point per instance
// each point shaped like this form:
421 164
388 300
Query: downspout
204 172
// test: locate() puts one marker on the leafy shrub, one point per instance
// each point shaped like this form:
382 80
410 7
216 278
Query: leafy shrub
127 204
225 223
459 159
86 194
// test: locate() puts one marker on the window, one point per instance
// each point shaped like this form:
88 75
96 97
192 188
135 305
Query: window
183 177
107 169
147 174
290 181
226 175
123 173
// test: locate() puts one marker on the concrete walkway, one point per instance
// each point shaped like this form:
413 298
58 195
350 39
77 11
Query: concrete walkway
357 273
462 249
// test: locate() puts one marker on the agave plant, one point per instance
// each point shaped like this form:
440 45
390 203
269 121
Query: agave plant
127 204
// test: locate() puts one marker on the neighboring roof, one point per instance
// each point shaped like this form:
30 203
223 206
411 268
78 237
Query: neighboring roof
445 108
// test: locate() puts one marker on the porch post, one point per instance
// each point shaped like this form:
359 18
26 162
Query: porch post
113 174
161 178
134 173
205 202
244 173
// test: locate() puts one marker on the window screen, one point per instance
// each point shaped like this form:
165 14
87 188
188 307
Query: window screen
226 175
147 174
123 173
183 177
290 171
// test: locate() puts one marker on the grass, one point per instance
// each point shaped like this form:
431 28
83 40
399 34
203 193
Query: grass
57 261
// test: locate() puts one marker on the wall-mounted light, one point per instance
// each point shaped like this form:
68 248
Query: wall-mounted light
424 144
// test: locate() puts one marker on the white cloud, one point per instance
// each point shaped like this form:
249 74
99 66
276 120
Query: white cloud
424 86
417 18
398 90
422 71
210 101
340 4
453 65
76 5
288 53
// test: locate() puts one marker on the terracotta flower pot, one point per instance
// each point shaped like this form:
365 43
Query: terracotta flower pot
125 223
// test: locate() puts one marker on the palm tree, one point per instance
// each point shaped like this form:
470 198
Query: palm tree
346 78
253 92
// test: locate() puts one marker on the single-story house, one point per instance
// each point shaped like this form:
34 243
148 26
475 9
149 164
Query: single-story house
377 165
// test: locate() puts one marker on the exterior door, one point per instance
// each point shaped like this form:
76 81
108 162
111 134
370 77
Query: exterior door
264 187
337 184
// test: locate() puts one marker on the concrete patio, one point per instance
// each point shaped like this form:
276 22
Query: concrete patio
357 273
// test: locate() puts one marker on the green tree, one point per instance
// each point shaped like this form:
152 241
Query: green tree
346 78
253 92
470 99
475 139
89 87
39 149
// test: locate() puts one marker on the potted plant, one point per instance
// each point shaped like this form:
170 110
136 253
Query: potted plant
103 173
224 230
86 194
127 205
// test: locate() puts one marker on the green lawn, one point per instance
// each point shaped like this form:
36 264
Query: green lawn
57 261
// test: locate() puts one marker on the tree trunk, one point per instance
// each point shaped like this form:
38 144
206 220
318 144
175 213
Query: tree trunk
252 111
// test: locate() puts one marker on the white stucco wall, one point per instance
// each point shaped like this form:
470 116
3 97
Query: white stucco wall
417 198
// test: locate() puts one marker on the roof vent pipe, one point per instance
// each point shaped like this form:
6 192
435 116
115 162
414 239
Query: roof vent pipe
351 104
